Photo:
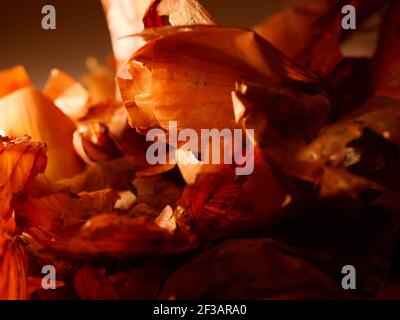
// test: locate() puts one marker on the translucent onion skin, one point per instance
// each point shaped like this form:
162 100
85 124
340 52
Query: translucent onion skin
13 269
13 79
124 18
20 161
188 74
28 112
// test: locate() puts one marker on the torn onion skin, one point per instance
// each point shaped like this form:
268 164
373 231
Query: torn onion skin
326 161
21 160
13 268
192 81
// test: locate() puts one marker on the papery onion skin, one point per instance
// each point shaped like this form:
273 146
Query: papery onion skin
28 112
188 74
13 79
20 161
13 268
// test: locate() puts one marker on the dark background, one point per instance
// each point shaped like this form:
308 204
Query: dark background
82 31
